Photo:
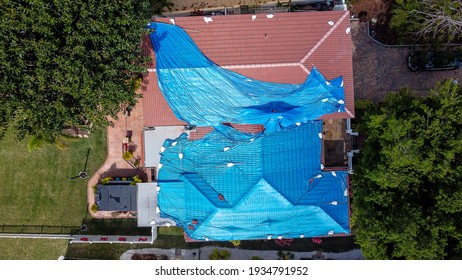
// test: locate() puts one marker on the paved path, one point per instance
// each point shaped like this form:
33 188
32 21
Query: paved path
115 165
378 70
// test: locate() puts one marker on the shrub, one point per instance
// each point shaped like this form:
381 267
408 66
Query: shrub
136 83
137 256
285 256
106 180
316 240
283 242
95 188
60 144
136 180
236 243
94 208
149 256
128 155
35 143
163 257
219 255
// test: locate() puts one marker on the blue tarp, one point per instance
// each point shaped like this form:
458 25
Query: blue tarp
232 185
237 186
203 94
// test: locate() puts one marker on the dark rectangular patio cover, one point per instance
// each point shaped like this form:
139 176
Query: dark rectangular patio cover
116 198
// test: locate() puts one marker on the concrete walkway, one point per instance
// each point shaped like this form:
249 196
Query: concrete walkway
240 254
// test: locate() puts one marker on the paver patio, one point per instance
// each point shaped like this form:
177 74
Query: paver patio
115 165
378 70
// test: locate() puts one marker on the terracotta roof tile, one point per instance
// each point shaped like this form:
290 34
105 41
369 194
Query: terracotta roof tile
249 128
284 38
333 58
155 107
200 132
236 41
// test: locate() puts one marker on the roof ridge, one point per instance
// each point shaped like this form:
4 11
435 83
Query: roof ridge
258 65
323 38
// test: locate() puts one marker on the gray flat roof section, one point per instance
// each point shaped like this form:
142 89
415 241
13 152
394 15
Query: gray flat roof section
116 198
147 204
154 138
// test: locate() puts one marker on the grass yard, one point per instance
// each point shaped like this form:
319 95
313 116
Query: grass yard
32 249
35 189
114 251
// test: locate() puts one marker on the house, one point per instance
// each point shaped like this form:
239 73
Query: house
241 101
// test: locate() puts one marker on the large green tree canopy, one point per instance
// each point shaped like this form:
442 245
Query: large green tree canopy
429 20
68 62
407 187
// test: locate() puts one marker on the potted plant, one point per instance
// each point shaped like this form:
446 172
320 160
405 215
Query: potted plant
136 180
106 180
128 155
94 208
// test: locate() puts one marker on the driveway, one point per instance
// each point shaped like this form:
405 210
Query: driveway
378 70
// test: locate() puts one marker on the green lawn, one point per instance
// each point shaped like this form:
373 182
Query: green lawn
32 249
35 189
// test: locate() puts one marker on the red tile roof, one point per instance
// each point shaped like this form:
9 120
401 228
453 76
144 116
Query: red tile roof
200 132
249 128
155 107
281 49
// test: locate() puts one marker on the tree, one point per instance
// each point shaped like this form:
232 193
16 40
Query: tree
68 63
157 7
407 185
429 20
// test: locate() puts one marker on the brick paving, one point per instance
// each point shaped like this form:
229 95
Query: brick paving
115 165
378 70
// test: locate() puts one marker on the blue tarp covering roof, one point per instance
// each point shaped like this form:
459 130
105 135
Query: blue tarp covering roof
252 186
232 185
203 94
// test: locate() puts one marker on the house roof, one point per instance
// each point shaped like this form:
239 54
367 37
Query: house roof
239 186
282 49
